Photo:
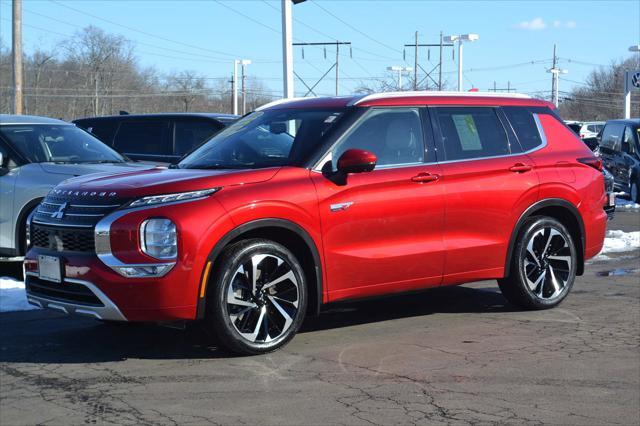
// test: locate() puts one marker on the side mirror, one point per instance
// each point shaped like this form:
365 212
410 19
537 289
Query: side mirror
356 161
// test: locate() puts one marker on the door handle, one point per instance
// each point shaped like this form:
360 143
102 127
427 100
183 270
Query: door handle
520 168
425 177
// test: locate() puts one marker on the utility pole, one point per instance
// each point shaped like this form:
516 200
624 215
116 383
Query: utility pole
417 65
234 82
555 76
440 65
335 65
243 63
16 35
96 101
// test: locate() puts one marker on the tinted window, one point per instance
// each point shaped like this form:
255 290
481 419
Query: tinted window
144 137
612 136
628 141
103 130
58 143
264 139
190 134
471 133
524 125
394 135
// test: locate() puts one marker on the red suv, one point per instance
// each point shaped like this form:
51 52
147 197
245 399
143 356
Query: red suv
311 201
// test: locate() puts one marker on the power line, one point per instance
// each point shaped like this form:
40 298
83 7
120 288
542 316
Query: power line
357 30
233 55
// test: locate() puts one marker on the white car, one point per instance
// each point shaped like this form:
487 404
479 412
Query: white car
590 129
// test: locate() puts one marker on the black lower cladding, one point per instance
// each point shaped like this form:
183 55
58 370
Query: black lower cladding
65 291
62 239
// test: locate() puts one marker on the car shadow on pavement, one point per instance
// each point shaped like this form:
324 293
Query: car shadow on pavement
48 337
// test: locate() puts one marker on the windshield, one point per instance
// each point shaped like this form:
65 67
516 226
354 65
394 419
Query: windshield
64 144
264 139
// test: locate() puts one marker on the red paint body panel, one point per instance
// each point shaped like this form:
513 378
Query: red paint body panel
385 231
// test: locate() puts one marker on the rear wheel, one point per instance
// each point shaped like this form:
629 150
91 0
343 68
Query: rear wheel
543 265
635 191
258 297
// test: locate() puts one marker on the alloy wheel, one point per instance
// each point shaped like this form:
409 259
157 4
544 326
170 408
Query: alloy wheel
262 298
547 263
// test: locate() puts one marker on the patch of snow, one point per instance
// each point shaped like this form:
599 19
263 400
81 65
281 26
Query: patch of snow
13 296
617 241
624 204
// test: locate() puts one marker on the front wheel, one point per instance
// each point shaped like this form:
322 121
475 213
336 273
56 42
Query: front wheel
543 265
258 297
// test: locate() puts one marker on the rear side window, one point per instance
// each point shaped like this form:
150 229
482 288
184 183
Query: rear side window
144 138
525 127
190 134
612 136
103 130
469 133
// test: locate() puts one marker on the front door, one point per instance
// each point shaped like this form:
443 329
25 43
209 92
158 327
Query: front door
382 230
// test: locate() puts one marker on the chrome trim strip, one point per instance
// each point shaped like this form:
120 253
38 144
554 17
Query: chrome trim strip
108 312
91 206
102 239
64 225
74 214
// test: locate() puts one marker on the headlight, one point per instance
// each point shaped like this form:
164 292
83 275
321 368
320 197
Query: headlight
170 198
159 239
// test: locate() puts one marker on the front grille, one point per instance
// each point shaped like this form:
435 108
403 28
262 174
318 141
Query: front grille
63 292
62 239
74 211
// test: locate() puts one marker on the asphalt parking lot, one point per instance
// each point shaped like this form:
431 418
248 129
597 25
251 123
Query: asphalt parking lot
449 356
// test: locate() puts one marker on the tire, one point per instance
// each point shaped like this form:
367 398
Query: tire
635 191
543 265
248 321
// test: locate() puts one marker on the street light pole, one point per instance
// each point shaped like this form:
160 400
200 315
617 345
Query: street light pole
235 86
399 70
287 50
460 39
243 63
17 56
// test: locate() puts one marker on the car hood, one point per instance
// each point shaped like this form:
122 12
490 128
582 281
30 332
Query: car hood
164 181
85 169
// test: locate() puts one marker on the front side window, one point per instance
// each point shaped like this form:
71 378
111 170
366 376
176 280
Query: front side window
470 133
41 143
394 135
144 138
264 139
525 127
628 141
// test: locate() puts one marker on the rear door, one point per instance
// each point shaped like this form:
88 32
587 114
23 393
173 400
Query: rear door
146 140
382 230
610 151
487 181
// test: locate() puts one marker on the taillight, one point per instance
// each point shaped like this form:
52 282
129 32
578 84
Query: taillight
594 162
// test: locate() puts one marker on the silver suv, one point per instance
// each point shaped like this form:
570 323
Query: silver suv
36 154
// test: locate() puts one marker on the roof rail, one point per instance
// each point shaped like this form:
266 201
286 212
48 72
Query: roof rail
390 95
278 102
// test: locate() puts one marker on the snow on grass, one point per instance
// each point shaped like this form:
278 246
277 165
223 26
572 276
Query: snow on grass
619 241
624 204
13 296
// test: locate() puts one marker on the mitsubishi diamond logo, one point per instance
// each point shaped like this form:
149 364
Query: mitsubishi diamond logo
59 214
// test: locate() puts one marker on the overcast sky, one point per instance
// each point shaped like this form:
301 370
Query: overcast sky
207 35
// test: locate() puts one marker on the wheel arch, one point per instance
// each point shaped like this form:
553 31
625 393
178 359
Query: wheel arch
21 218
559 209
287 233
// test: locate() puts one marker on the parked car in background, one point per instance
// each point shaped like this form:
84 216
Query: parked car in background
589 129
574 125
620 153
156 138
36 154
306 202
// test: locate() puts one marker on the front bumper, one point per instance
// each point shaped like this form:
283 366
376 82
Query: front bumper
44 296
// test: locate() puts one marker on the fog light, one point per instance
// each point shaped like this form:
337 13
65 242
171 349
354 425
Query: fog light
144 271
159 239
